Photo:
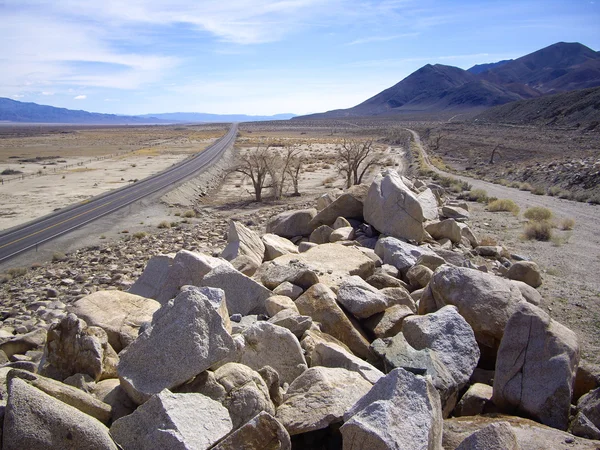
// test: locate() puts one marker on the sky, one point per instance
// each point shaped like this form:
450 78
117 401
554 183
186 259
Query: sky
259 57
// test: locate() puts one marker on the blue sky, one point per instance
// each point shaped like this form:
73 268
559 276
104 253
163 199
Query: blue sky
259 56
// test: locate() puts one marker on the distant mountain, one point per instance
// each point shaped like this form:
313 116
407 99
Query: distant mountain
478 68
435 88
578 109
204 117
14 111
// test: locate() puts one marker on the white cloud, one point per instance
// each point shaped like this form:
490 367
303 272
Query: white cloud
17 96
370 39
80 97
47 93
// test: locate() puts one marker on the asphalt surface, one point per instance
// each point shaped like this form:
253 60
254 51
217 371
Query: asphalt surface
32 234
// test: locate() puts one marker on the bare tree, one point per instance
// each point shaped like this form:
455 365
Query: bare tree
494 151
356 157
283 165
435 141
294 169
255 164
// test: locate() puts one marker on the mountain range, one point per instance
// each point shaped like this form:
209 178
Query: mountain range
558 68
14 111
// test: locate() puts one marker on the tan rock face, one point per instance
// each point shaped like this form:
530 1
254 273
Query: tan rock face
346 205
277 246
290 224
73 347
118 313
527 272
393 209
242 242
263 432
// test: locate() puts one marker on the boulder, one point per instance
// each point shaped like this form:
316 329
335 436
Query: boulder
341 222
486 301
419 276
401 411
476 400
389 322
319 397
584 427
289 290
397 353
34 420
495 436
155 275
536 366
271 345
399 296
321 234
380 280
586 379
589 405
118 313
290 224
448 229
276 246
110 392
328 198
246 393
331 263
73 347
22 343
243 294
84 402
360 298
342 234
277 303
173 421
281 270
328 354
346 205
526 271
293 321
530 435
455 212
313 337
319 302
468 234
400 254
243 242
531 295
446 333
393 209
263 432
429 204
187 335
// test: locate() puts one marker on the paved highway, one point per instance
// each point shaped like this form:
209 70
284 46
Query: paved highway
29 235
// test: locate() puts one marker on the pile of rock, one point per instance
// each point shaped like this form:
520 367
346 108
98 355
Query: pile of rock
321 333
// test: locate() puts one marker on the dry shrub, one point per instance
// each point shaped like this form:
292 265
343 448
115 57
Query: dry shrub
189 213
477 195
525 187
488 240
538 214
140 235
540 231
164 224
538 190
566 224
504 204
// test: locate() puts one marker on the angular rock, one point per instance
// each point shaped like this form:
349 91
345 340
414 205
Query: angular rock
154 277
360 298
531 295
319 397
342 234
243 294
587 379
332 263
393 209
281 270
313 337
495 436
275 346
419 276
455 212
333 355
289 290
583 427
389 322
276 246
448 229
589 405
173 421
536 366
401 411
341 222
484 300
321 234
450 336
526 271
319 302
293 321
246 393
277 303
20 344
242 241
188 336
346 205
399 254
290 224
475 401
73 347
34 421
118 313
110 392
263 432
468 234
429 204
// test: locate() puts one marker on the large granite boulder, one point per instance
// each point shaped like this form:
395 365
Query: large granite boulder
290 224
448 229
401 411
393 209
244 248
277 246
360 298
34 420
118 313
263 432
320 397
346 205
495 436
526 271
73 347
536 366
173 421
186 336
400 254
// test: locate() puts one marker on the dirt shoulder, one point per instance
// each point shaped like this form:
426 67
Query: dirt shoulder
571 262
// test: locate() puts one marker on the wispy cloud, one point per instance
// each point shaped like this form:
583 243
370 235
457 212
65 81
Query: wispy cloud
370 39
80 97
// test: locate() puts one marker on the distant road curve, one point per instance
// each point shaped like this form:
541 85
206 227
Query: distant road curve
19 239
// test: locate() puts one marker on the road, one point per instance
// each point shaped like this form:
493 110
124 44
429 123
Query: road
32 234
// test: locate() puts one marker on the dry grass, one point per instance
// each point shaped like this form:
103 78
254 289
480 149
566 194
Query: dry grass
477 195
164 224
538 214
566 224
504 204
540 230
488 240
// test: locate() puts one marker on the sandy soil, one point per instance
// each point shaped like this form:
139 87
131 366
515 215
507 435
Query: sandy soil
571 261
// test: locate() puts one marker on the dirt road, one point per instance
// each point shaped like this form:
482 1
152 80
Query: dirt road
571 263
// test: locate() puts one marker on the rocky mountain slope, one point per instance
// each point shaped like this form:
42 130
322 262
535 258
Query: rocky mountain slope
315 334
433 88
